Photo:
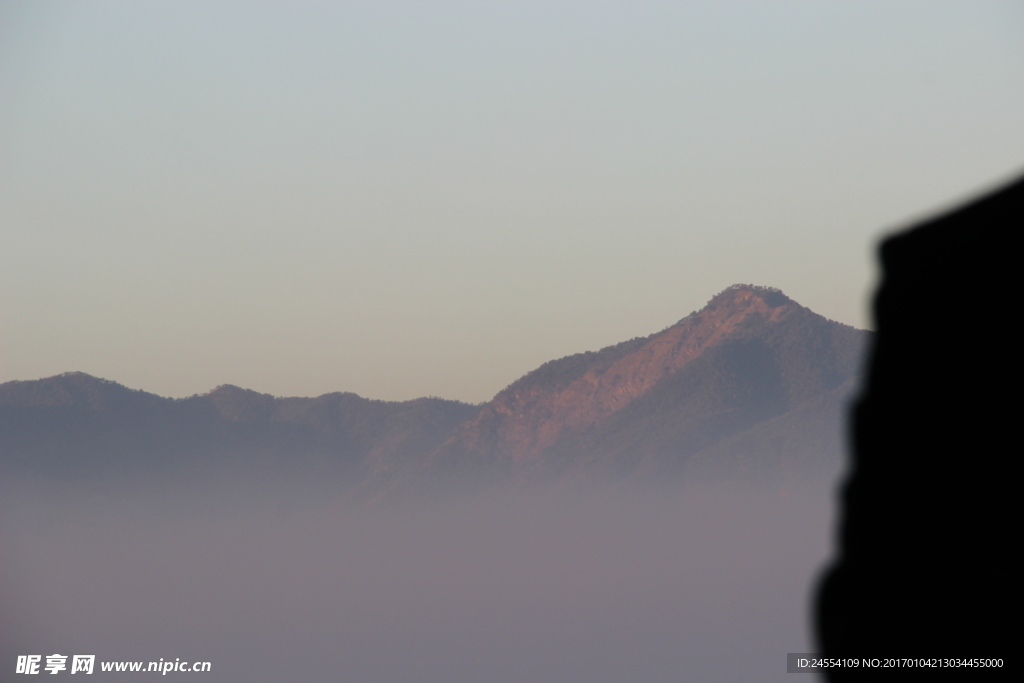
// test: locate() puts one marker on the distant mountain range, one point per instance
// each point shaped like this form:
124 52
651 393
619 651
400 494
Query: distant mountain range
751 384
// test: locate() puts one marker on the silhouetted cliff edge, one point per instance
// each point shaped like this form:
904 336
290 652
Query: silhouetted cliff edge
924 566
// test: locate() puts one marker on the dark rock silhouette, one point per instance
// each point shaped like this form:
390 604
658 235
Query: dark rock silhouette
924 566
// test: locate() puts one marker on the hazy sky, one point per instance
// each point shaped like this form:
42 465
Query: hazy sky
432 198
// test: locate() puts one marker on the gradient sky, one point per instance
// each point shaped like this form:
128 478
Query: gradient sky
403 199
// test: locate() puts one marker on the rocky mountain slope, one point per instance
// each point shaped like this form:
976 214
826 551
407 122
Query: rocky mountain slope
649 406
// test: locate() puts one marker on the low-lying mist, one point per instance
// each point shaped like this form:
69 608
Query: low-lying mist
706 582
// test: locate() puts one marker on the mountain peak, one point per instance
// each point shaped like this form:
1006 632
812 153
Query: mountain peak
742 297
577 393
740 293
241 405
732 308
77 389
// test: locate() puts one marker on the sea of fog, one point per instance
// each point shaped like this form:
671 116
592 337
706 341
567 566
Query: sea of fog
709 582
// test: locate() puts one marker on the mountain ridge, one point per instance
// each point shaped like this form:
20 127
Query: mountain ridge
649 404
